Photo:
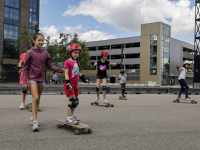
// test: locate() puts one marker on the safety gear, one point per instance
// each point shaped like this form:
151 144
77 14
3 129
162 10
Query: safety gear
187 87
187 62
67 82
177 67
24 91
122 71
75 103
97 88
104 88
84 79
104 53
92 63
73 46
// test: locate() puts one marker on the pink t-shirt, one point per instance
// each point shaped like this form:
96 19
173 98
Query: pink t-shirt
73 68
23 56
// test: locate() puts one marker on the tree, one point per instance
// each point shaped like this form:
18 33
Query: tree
24 39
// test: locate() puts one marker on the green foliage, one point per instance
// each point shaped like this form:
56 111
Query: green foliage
3 73
24 39
56 49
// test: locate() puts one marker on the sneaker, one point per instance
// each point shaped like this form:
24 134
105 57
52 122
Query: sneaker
71 120
75 118
96 99
31 120
187 98
22 106
178 97
105 101
35 126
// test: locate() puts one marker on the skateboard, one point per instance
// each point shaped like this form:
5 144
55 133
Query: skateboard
105 104
81 127
191 101
29 106
122 97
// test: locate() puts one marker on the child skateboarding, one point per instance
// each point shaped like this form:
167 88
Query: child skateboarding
102 66
182 81
72 75
122 78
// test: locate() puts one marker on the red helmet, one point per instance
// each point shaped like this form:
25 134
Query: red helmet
104 53
73 46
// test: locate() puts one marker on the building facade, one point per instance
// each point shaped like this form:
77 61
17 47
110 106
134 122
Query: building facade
153 56
12 14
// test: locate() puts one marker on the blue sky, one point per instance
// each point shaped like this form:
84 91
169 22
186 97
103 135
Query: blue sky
102 20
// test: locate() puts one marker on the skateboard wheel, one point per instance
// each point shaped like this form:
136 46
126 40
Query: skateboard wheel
30 109
58 125
97 103
76 132
91 103
106 105
39 109
195 102
192 102
119 97
122 98
112 105
26 106
178 101
126 98
174 101
89 130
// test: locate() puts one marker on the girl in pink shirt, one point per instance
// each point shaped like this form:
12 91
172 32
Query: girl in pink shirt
72 75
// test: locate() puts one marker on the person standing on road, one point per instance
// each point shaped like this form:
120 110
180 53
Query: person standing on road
122 78
102 66
24 91
72 75
182 81
34 67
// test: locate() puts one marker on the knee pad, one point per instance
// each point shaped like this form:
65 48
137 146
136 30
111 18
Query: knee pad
104 88
97 88
187 87
123 89
74 104
24 91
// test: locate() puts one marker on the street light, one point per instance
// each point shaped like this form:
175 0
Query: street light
92 36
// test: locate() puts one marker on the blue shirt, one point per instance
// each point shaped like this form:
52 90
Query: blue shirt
55 77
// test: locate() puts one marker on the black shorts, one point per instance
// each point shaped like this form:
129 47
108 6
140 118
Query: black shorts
54 81
101 77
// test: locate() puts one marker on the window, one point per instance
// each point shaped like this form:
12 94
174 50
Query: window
12 3
153 54
132 45
119 46
10 36
91 48
132 66
107 47
132 56
116 56
33 6
11 15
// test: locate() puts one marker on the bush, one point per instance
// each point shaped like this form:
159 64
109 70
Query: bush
3 73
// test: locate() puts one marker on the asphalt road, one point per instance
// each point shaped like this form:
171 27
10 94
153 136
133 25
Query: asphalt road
143 122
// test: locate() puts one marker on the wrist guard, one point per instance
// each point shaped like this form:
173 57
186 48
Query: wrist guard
92 63
177 67
118 65
68 84
84 79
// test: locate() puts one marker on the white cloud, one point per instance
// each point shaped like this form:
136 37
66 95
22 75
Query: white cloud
51 31
44 1
94 35
128 15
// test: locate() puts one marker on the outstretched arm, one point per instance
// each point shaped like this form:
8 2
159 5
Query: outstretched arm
115 64
93 64
179 69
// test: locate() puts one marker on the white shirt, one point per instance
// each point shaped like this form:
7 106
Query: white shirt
183 74
122 78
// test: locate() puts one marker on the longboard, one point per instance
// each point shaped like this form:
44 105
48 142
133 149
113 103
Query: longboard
191 101
122 97
29 106
81 126
102 103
